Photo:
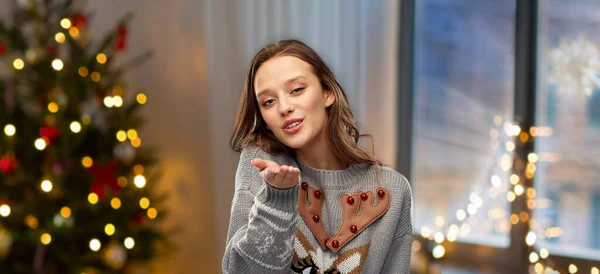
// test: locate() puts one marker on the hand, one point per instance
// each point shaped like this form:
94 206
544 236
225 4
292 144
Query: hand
281 177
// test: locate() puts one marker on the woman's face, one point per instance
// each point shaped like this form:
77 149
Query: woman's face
292 101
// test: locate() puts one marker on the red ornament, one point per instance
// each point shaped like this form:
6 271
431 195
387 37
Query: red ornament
2 49
8 164
50 48
104 177
318 194
353 229
78 20
49 133
335 243
121 42
120 45
363 196
380 193
350 200
139 219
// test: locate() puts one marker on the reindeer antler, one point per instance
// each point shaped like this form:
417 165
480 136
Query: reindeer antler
311 213
353 222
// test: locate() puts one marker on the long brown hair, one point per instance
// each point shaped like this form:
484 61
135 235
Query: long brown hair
250 127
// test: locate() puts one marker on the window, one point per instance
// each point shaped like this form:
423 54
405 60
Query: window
568 177
463 102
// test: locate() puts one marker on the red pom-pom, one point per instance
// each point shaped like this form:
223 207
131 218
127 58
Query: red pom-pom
49 133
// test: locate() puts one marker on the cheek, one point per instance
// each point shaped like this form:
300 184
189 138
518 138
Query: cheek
269 118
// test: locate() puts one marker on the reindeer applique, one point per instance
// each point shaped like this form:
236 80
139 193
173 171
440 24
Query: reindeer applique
358 212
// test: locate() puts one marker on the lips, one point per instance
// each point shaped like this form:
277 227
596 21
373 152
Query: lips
291 121
294 129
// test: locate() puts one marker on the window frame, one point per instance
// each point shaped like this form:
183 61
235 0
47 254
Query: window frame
515 258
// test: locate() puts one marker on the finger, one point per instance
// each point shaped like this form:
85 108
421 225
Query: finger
259 163
284 170
293 176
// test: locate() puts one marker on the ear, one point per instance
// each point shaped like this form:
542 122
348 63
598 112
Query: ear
329 98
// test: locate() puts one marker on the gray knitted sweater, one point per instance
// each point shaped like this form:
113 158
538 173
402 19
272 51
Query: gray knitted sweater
275 230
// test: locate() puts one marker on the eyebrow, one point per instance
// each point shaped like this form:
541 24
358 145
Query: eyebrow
287 82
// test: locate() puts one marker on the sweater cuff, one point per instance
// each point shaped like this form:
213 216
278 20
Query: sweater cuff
283 199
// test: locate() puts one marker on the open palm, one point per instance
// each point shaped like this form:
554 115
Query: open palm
281 177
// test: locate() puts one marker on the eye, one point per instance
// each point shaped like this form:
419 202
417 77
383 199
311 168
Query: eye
268 102
296 90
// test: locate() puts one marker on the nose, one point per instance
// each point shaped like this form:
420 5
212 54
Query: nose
285 107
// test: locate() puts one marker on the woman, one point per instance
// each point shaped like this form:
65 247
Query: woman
300 158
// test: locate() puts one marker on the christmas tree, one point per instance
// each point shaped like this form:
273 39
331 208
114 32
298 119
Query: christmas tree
77 188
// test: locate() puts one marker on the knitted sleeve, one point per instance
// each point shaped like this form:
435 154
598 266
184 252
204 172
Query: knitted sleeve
262 225
398 258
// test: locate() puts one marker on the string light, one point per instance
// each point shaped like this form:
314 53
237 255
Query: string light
439 237
46 185
87 161
74 32
461 214
439 251
152 213
121 135
139 181
75 127
117 101
101 58
544 253
57 64
539 267
533 257
93 198
136 142
18 64
31 221
40 144
514 179
139 169
439 221
95 76
141 98
144 203
115 203
122 181
530 238
60 37
4 210
425 232
129 243
519 190
65 212
83 71
595 270
10 130
95 245
65 23
46 239
132 134
109 229
572 268
53 107
109 102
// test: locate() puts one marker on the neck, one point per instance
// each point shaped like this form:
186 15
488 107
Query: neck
320 156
